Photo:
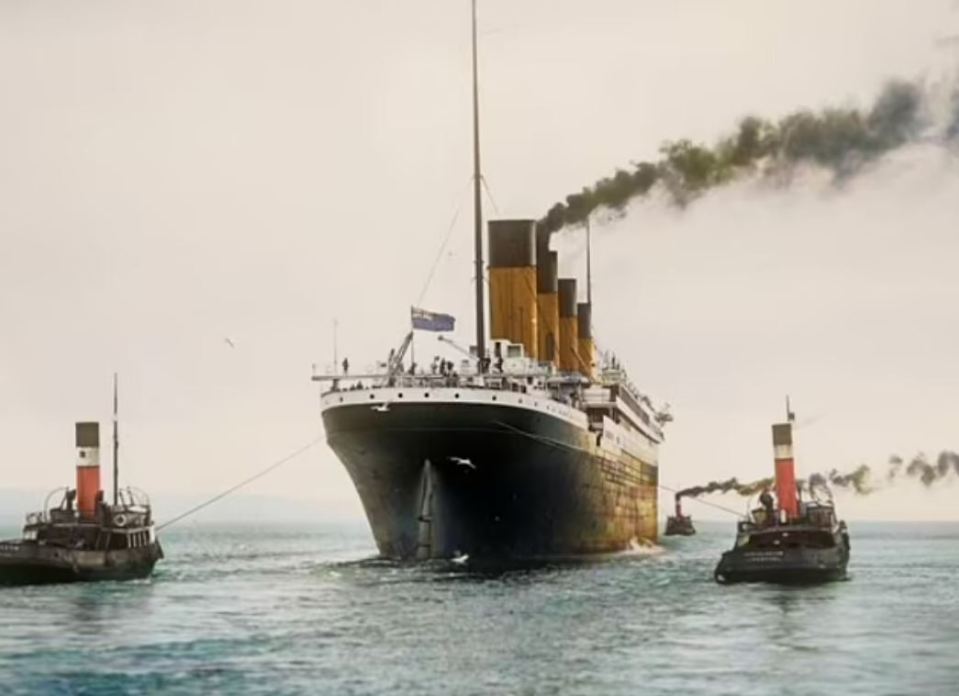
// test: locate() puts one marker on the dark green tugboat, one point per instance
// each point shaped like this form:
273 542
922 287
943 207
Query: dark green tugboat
792 542
83 538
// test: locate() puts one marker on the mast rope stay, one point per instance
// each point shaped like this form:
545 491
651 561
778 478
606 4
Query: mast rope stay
489 194
562 445
446 241
219 496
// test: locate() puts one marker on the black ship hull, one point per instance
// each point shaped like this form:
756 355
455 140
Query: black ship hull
785 566
489 481
24 563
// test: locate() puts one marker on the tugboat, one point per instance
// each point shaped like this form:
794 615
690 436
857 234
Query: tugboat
83 538
794 542
679 524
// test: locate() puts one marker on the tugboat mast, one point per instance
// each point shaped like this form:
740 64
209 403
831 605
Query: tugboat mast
478 212
116 447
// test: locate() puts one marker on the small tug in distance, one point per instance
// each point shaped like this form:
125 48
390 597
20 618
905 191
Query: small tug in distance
795 542
83 538
679 524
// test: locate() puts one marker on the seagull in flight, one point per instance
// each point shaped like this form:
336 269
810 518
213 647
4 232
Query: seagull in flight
381 408
462 461
230 343
461 559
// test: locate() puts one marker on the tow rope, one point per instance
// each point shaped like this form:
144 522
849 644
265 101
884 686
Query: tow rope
563 445
219 496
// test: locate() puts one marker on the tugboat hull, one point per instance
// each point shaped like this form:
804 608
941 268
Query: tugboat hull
785 566
679 526
30 564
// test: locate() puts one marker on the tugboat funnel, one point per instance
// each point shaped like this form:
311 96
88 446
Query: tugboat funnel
785 469
88 468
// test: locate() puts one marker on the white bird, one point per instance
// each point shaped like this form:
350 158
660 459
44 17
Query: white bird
381 408
229 342
462 461
460 560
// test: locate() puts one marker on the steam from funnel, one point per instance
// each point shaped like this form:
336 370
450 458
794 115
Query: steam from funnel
841 141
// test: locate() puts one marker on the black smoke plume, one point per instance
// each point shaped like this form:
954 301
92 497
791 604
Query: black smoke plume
862 480
924 470
858 480
841 141
728 486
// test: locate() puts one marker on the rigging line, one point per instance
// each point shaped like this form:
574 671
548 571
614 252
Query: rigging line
251 479
446 241
540 438
553 443
702 502
489 194
558 444
485 279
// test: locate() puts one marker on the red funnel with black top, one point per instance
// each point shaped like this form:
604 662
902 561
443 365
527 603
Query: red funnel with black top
88 468
785 469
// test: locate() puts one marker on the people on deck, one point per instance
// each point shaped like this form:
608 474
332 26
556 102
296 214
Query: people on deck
766 500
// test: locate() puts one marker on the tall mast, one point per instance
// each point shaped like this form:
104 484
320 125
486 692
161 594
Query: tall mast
589 265
478 210
116 446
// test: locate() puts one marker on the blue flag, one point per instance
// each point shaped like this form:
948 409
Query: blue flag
431 321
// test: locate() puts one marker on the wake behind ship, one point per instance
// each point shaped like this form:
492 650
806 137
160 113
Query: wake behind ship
531 449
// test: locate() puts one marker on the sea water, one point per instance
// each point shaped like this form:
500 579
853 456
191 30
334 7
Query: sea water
283 609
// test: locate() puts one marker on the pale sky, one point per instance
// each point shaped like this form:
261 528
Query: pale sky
178 173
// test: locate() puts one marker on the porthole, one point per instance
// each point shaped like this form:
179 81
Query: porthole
400 395
426 395
341 399
456 396
372 396
494 398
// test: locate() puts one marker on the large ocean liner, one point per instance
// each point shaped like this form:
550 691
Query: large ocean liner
534 445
